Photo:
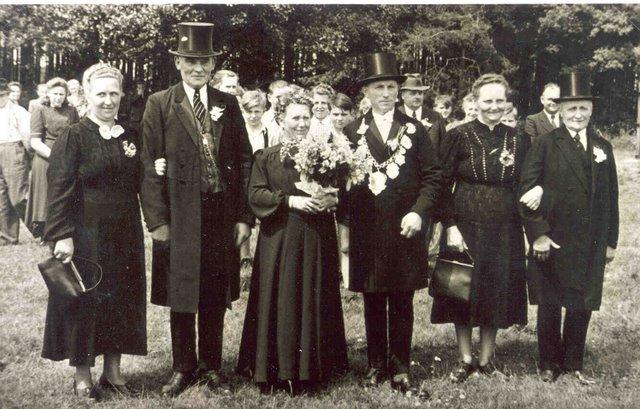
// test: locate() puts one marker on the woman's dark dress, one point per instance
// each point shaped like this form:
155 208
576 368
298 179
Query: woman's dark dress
484 207
293 327
47 123
93 188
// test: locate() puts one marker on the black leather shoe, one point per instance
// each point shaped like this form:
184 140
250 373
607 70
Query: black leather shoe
125 390
548 375
489 369
463 372
177 384
582 378
213 379
374 377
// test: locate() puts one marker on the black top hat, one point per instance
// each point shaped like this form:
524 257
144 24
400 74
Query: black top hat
379 67
574 86
195 40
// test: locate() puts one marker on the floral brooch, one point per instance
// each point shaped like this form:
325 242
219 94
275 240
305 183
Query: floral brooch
599 155
216 112
129 149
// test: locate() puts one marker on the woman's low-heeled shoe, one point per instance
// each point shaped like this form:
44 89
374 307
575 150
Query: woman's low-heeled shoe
462 373
84 393
125 389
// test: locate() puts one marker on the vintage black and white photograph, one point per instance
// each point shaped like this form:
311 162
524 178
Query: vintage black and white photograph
284 205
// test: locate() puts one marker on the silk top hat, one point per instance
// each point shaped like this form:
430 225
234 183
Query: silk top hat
574 86
413 83
379 67
195 40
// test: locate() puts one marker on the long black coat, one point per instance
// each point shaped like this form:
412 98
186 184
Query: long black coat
169 130
579 212
382 260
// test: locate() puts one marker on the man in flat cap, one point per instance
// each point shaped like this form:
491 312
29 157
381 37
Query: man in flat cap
199 210
387 216
574 231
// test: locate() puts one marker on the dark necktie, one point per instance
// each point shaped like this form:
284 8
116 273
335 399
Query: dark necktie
553 120
198 108
579 144
414 115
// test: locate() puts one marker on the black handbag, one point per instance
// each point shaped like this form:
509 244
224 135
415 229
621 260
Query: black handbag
451 276
66 281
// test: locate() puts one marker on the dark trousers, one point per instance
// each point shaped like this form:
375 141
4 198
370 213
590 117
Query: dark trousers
562 350
388 319
213 298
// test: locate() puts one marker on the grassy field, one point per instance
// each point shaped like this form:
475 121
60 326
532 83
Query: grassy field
612 356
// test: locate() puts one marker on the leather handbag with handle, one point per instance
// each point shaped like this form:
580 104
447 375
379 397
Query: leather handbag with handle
451 276
65 281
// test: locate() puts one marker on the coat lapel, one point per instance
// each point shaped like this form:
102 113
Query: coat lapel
593 140
377 147
216 126
568 150
545 124
183 109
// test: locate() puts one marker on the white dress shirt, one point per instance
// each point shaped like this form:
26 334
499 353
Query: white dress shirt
383 122
191 92
409 112
320 127
583 137
556 118
15 123
256 138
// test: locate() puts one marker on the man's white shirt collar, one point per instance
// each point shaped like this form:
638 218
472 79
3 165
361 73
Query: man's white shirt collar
191 92
556 120
410 112
383 122
582 134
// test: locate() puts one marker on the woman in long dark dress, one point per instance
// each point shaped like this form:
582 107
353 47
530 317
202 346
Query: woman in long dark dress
293 331
94 178
483 159
48 121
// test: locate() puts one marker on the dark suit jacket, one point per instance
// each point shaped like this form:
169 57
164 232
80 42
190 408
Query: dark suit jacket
434 124
579 212
537 125
169 130
381 260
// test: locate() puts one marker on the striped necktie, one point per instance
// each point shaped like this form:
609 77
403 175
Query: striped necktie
198 108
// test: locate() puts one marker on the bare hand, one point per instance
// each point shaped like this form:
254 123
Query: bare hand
455 240
532 198
161 166
343 235
63 250
161 233
542 247
328 202
304 204
241 233
410 225
611 254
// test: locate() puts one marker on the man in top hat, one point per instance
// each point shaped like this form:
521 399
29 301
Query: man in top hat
199 210
14 165
574 231
387 216
548 119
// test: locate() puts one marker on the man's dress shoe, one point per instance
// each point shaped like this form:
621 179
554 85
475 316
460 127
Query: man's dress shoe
548 375
374 377
402 384
177 384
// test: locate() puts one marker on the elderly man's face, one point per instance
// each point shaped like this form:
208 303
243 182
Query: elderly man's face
14 95
576 114
547 100
413 99
382 95
229 85
195 72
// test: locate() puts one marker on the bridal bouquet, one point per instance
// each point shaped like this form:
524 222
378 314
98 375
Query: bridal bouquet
325 162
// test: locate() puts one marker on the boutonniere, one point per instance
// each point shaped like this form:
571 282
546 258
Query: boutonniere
507 158
129 149
426 123
216 112
599 155
362 129
411 128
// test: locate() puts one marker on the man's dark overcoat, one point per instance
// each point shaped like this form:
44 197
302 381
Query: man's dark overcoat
538 124
579 212
169 130
382 260
433 123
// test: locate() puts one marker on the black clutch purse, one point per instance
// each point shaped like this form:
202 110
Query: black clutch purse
66 281
451 276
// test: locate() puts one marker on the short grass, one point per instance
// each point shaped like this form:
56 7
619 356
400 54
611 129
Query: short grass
612 356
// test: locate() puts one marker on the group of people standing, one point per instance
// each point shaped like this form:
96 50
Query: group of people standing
206 165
